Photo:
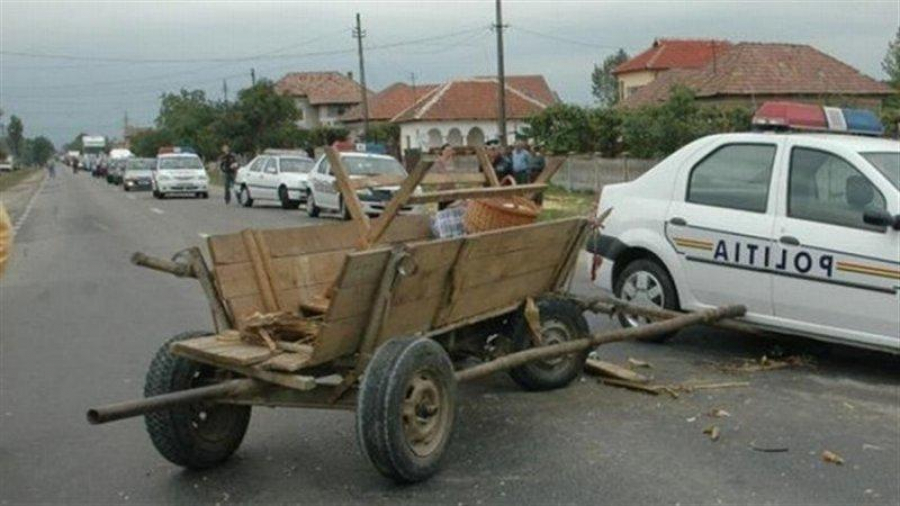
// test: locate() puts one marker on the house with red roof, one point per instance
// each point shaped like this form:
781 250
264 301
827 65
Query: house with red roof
748 74
322 98
665 55
386 104
464 112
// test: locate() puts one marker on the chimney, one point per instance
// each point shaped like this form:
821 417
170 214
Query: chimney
350 75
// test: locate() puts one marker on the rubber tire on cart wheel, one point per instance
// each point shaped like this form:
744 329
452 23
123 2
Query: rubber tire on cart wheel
667 286
311 208
286 202
406 408
194 436
561 320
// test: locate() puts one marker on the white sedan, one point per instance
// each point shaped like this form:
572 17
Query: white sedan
277 177
803 229
323 194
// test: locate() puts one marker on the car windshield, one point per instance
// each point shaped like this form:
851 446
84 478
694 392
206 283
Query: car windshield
298 165
887 163
180 162
373 166
140 164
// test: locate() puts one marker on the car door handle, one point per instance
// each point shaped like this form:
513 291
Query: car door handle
678 221
789 240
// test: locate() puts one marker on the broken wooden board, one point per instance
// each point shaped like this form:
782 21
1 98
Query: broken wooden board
225 351
610 370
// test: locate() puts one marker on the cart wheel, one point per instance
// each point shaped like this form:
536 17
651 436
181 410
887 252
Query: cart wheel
406 408
561 320
196 436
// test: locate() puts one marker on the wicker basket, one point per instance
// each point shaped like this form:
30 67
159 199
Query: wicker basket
501 212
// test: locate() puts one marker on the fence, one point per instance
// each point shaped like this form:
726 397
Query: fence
591 173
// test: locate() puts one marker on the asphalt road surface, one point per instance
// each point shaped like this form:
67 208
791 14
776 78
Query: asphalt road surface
79 325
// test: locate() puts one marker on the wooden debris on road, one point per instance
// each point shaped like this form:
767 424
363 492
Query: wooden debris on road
672 389
652 390
832 458
718 413
633 362
766 364
713 432
610 370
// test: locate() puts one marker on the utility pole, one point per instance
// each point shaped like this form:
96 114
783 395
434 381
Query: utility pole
501 77
358 33
253 77
225 91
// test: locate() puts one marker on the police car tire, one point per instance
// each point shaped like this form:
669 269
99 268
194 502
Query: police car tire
243 196
570 324
285 199
176 432
666 284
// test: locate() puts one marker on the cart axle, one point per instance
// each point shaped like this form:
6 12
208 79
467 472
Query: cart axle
128 409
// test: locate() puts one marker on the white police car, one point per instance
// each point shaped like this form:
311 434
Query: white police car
802 228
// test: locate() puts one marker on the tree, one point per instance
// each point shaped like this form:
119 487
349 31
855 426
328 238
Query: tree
15 134
39 151
75 144
561 128
604 85
262 118
188 119
891 62
146 143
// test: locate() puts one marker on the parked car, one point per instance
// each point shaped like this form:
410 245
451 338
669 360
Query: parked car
179 173
322 193
279 176
803 229
138 174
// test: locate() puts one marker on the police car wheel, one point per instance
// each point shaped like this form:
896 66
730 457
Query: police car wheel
311 208
645 283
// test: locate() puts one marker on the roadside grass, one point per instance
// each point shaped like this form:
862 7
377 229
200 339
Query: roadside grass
10 179
559 203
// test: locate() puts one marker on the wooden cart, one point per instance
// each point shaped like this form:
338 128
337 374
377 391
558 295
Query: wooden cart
393 311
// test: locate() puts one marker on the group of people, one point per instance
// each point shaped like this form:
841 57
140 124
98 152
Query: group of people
520 161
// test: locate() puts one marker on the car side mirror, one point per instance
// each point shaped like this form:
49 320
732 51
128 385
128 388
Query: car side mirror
881 218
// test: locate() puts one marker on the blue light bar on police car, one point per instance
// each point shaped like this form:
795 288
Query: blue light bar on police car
799 116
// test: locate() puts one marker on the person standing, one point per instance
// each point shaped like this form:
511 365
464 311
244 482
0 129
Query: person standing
521 163
228 166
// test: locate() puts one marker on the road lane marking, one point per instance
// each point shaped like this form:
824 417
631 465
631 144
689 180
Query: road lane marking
18 224
157 210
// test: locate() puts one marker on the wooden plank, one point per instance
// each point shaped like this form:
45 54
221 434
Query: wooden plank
338 338
227 249
363 267
304 270
266 259
486 166
494 269
287 362
221 318
243 307
236 280
509 291
471 178
554 163
259 271
226 351
397 201
350 198
497 242
474 193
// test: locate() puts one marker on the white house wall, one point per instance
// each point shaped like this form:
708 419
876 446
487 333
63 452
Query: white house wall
415 135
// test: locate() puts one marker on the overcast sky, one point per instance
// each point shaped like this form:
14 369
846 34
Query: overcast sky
129 52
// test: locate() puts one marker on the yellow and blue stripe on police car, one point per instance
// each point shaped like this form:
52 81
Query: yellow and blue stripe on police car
765 254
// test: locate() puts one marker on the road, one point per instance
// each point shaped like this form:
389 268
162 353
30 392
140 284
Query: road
79 324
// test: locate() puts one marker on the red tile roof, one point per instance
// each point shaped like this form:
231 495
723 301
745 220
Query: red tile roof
535 86
764 69
389 102
320 87
675 54
470 99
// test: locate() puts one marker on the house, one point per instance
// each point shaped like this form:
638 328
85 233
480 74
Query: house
386 104
464 112
749 73
321 97
665 55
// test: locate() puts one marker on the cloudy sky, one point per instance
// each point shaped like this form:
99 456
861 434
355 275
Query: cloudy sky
67 67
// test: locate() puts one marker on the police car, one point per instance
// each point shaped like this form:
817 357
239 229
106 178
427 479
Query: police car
803 228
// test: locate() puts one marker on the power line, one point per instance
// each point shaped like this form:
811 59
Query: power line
563 39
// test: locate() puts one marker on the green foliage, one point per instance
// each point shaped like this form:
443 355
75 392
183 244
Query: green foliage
647 132
604 85
37 151
15 134
891 62
187 118
890 118
325 135
146 143
561 128
261 118
385 133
